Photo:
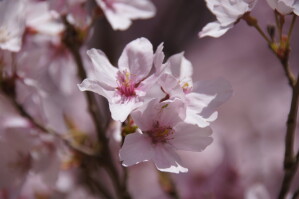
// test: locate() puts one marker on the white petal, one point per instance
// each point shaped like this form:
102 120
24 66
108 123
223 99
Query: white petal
137 58
171 112
120 111
272 3
186 70
12 24
117 20
158 59
136 148
219 88
135 9
171 86
296 8
214 29
97 87
102 68
190 137
285 7
120 13
193 117
146 115
166 159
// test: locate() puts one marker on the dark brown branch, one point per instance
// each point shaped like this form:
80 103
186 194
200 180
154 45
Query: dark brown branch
290 160
70 39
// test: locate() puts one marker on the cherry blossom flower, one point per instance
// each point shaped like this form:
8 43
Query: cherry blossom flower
282 6
296 7
12 24
119 13
285 6
40 19
227 13
201 98
74 10
126 86
257 191
161 132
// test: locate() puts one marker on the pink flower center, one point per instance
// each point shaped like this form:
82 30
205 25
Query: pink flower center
186 88
126 87
160 134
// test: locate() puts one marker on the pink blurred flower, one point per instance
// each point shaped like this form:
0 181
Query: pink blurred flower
120 13
12 24
126 86
40 19
161 132
227 13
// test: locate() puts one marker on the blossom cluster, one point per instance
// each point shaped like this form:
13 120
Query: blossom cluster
170 111
228 13
75 123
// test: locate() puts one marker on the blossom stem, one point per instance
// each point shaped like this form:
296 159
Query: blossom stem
252 21
296 194
291 27
290 161
285 56
168 185
288 73
279 19
258 28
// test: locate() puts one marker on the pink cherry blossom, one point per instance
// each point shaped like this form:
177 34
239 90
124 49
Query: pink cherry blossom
40 19
126 86
282 6
120 13
296 7
161 132
201 98
12 24
227 13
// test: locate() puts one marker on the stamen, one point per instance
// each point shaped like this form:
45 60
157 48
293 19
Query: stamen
126 87
160 134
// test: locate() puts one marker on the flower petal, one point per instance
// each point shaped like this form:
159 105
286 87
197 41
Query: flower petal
137 58
166 159
158 59
135 9
193 117
190 137
296 8
97 87
219 88
136 148
214 29
102 68
120 111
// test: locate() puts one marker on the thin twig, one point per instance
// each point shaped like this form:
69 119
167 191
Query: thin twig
292 26
279 24
290 161
289 74
168 186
